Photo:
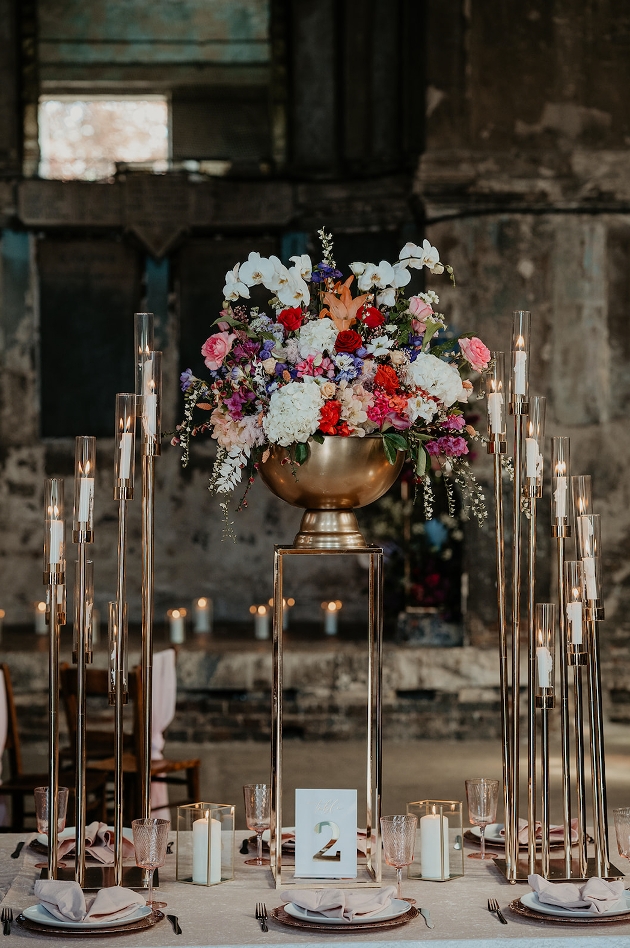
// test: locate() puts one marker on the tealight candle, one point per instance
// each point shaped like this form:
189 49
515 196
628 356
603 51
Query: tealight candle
430 837
200 851
41 626
177 625
331 612
202 614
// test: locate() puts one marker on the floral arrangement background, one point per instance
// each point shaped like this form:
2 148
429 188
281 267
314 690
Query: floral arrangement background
320 361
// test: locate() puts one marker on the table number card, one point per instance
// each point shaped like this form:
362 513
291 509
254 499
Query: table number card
326 834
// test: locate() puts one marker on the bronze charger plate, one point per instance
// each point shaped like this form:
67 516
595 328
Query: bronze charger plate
284 918
121 929
519 909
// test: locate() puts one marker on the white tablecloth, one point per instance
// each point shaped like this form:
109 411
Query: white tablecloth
223 915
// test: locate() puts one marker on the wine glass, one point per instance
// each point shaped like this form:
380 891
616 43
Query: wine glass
149 841
399 841
257 817
622 830
482 796
41 808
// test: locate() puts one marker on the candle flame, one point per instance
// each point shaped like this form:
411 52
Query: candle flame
576 593
520 343
561 468
202 603
262 610
41 607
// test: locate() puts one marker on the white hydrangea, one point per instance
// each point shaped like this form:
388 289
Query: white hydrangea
419 407
293 412
316 336
435 377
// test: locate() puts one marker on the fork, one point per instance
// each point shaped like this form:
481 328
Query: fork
261 915
493 907
7 918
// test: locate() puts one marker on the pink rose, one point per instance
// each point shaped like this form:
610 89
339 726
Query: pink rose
216 348
419 309
475 352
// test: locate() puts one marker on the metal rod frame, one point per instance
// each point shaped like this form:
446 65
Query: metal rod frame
56 581
119 689
148 539
598 767
80 756
519 410
564 710
531 688
503 648
374 762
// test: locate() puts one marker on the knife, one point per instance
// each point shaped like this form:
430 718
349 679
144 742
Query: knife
175 923
18 850
427 917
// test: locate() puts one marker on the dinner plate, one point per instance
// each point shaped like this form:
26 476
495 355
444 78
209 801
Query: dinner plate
40 915
286 831
493 833
531 901
69 833
395 908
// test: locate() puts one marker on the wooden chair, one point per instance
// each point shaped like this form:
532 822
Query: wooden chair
19 785
100 745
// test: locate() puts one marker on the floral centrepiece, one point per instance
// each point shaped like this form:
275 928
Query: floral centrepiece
321 361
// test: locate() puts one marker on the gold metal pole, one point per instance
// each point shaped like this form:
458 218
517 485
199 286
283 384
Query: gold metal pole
276 719
531 691
148 511
579 770
544 814
503 652
598 768
120 696
80 796
374 781
516 646
53 726
564 712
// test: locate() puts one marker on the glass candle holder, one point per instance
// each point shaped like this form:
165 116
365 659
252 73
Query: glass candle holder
496 394
582 495
439 853
54 531
124 446
205 843
152 403
574 610
89 607
84 468
546 620
143 333
560 497
534 439
519 375
203 615
113 641
589 551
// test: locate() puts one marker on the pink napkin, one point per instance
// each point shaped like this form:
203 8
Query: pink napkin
99 843
342 903
66 901
596 895
556 832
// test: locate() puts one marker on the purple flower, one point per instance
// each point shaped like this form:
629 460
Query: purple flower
235 404
361 353
454 423
281 367
245 350
323 271
187 380
448 445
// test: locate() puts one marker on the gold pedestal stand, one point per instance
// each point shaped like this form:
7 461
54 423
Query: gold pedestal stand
369 872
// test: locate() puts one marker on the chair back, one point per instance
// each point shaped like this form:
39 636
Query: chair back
12 745
100 740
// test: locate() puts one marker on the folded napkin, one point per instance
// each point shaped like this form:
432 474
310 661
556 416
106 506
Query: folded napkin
99 843
342 903
66 901
556 832
597 895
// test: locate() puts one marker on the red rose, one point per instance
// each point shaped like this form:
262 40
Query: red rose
291 318
329 416
387 379
348 341
371 317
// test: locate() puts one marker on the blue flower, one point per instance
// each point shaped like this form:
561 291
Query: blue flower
187 380
323 271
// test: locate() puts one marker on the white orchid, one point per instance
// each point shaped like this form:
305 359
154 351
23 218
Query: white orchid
386 297
380 346
374 275
417 257
295 291
256 269
234 287
303 264
411 256
401 274
358 268
279 278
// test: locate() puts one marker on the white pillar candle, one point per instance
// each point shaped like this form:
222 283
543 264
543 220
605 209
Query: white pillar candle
588 564
430 846
261 623
330 622
149 415
531 457
126 442
544 665
200 851
56 542
177 626
560 497
574 616
520 363
86 499
202 615
41 627
495 412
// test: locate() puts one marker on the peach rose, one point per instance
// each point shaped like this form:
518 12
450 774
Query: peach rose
215 349
475 352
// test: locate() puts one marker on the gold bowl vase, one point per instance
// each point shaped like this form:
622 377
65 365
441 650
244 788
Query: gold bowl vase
339 475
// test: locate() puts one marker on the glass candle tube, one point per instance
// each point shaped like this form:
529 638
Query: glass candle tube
89 607
574 609
84 469
546 620
519 376
54 530
151 403
124 447
535 434
143 332
589 550
113 643
560 513
496 393
582 494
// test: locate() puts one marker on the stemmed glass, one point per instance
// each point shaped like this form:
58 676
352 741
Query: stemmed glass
399 841
482 796
41 795
149 840
257 817
622 830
